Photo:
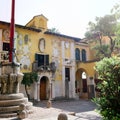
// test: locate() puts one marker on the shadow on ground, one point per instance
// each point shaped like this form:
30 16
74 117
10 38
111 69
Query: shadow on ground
76 106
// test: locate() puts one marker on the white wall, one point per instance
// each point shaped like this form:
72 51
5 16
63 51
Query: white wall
58 88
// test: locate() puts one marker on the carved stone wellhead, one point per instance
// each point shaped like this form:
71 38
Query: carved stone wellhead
10 78
10 98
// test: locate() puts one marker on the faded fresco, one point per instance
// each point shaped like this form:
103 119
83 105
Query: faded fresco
56 54
23 44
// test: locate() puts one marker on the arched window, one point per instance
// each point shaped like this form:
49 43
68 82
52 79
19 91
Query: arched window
77 54
83 55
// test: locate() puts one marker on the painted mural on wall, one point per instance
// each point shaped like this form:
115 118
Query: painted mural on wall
23 44
56 54
6 35
4 44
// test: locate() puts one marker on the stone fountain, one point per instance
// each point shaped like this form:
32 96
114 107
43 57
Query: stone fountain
12 103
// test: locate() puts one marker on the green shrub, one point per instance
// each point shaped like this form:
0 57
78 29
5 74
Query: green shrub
109 101
28 79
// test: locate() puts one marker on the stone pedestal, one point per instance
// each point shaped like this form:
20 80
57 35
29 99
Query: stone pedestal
11 101
10 105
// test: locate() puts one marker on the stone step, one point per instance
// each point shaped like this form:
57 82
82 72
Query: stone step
7 115
6 109
12 96
13 102
13 111
9 109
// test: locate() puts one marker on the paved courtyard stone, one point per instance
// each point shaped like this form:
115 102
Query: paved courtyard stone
74 109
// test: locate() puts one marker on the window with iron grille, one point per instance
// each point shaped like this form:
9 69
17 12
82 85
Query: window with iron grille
83 55
42 59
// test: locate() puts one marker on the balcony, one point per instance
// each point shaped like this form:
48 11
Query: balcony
44 68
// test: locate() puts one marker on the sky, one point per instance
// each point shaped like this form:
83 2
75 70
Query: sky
70 17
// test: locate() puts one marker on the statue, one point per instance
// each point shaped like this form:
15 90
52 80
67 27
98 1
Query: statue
10 81
13 83
4 84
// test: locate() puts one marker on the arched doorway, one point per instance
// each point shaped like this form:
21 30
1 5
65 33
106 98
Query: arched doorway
81 83
44 88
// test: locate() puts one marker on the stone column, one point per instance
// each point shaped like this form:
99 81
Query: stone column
38 91
49 102
72 81
53 89
35 91
50 89
38 88
63 81
72 70
63 67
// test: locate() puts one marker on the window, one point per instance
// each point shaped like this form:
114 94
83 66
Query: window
6 47
83 55
42 59
77 54
67 74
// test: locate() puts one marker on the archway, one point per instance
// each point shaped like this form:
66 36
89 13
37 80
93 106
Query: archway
81 83
44 88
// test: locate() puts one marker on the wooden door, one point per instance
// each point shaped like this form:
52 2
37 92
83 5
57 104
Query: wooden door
43 89
67 79
84 85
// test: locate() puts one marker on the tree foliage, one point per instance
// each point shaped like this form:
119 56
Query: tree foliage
54 30
109 101
28 79
107 26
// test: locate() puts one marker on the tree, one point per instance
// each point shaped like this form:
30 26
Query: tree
54 30
109 100
28 79
109 27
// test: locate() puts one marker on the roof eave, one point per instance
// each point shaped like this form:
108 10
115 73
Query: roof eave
20 26
62 35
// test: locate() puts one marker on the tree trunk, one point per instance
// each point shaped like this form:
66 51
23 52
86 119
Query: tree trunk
28 95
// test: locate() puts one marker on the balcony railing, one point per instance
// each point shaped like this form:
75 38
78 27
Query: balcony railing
44 68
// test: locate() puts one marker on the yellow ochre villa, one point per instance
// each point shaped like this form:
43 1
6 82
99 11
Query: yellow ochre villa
64 64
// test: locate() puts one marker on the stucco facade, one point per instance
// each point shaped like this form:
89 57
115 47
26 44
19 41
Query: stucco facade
37 48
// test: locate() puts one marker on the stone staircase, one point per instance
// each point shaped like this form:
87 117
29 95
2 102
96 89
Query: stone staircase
10 105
